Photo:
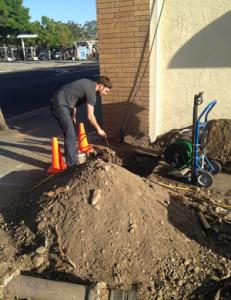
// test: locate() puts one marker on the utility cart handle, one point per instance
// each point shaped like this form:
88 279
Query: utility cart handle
207 110
198 99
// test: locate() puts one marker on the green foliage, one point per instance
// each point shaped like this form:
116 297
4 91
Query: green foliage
90 30
76 30
54 34
15 19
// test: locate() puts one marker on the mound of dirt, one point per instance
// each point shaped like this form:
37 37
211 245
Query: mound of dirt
100 222
219 140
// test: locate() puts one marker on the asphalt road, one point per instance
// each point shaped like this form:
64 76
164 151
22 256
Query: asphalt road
21 92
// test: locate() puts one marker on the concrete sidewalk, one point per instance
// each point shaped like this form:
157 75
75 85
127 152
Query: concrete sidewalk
25 151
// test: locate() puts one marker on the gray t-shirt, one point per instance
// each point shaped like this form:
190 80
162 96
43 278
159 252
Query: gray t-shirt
76 93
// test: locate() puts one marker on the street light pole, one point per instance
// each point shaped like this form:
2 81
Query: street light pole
5 51
23 49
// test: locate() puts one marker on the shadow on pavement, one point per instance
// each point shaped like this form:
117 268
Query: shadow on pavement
22 158
14 185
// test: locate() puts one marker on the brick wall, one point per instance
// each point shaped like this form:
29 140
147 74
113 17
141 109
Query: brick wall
123 32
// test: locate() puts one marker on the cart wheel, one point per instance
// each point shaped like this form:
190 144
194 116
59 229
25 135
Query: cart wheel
205 179
216 167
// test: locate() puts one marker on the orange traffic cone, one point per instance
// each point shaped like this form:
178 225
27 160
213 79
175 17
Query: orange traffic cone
57 161
82 139
62 165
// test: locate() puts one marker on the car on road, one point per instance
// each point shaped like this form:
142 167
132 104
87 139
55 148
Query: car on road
43 56
57 55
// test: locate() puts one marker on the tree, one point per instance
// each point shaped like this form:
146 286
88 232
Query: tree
14 18
76 30
54 34
90 30
46 32
64 35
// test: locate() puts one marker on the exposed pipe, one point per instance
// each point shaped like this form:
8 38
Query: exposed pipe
22 287
42 289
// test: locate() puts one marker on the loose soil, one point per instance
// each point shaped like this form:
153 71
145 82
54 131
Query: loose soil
138 234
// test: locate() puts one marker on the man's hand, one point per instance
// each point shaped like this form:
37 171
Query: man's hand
101 132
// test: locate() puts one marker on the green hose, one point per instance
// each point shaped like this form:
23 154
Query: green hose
179 154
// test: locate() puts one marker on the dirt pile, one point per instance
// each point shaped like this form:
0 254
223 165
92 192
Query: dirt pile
219 140
133 234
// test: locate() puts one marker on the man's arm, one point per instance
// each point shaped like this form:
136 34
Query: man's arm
93 121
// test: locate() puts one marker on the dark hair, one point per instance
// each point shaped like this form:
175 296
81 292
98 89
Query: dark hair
105 81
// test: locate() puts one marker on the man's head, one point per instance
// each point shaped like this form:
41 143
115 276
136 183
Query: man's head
103 85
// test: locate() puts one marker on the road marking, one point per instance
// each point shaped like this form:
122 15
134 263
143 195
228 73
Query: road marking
62 71
26 132
6 173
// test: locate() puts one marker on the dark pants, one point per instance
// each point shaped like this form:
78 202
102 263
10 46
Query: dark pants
63 115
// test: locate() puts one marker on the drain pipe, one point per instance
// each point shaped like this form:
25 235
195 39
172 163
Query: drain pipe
28 287
41 289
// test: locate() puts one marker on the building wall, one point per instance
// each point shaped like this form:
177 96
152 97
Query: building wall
194 55
123 29
191 52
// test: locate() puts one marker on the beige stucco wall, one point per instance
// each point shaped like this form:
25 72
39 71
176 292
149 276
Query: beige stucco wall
193 49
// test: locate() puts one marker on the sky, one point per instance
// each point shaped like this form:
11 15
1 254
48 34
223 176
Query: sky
78 11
